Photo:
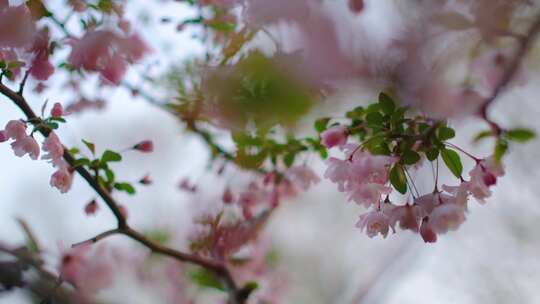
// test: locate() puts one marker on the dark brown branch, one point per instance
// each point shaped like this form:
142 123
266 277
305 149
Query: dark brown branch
525 44
236 296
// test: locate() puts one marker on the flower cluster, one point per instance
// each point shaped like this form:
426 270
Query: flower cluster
26 144
373 169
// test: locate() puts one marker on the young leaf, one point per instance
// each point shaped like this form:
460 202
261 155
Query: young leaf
410 157
110 156
432 154
374 119
398 179
520 135
387 104
482 135
90 146
453 161
321 123
126 187
206 279
446 133
500 149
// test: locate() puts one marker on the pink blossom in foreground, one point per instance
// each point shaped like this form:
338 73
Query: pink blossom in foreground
53 147
15 129
107 52
426 231
483 176
408 217
62 179
227 197
16 26
446 217
356 6
145 146
91 208
57 110
3 136
26 145
334 136
374 222
87 268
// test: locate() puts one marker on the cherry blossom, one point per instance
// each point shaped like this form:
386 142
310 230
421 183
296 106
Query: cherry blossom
407 215
145 146
483 176
62 179
15 129
54 147
91 208
446 217
334 136
57 110
26 145
374 222
426 231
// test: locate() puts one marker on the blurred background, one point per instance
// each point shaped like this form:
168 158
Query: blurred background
492 258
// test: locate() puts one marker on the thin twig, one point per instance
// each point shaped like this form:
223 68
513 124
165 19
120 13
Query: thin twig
524 46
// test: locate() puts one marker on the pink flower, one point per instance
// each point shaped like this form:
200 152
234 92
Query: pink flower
483 176
408 217
16 26
41 68
146 180
26 145
62 179
107 52
337 171
54 147
334 136
15 129
146 146
302 177
114 70
374 222
87 269
446 217
356 6
78 5
461 193
366 194
57 110
426 231
227 196
3 136
91 208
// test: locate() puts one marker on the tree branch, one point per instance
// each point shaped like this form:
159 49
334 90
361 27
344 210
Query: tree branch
525 45
236 296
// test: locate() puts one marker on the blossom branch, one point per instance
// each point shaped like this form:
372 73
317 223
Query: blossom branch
236 296
524 46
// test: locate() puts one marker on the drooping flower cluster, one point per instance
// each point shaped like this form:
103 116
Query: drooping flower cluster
26 144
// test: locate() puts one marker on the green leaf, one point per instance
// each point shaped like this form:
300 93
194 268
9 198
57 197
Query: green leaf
110 175
321 123
74 151
432 154
81 162
453 161
482 135
206 279
356 113
446 133
501 147
520 135
410 157
110 156
398 179
126 187
288 159
375 119
387 104
90 146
